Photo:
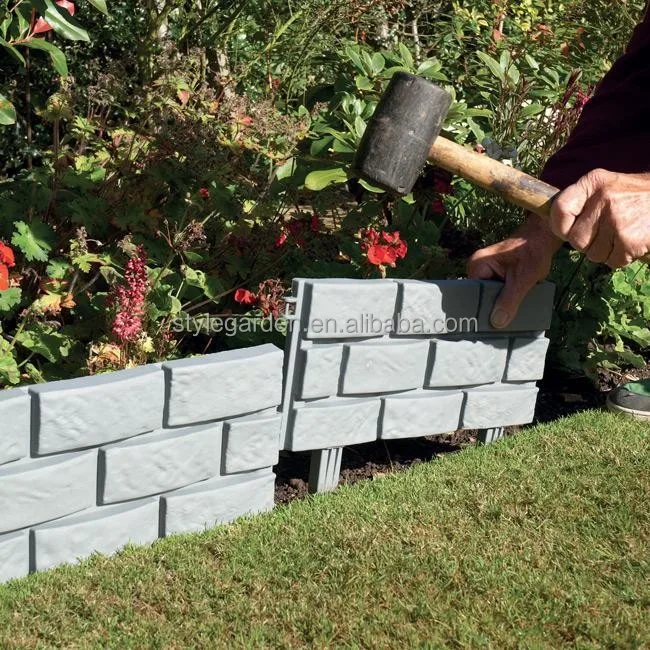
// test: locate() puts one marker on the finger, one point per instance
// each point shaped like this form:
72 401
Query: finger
603 244
619 257
484 265
517 285
568 205
585 227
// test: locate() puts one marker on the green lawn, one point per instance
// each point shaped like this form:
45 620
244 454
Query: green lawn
538 541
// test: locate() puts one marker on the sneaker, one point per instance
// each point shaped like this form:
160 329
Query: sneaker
632 399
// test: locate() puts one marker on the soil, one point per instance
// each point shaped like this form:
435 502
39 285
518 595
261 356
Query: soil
561 394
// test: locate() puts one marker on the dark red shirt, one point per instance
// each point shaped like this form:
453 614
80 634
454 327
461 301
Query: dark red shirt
613 132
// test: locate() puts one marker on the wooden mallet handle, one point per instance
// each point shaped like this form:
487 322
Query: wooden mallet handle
513 185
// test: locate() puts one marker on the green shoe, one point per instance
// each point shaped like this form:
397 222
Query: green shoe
632 399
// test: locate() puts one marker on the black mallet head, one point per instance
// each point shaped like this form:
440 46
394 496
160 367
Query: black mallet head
400 134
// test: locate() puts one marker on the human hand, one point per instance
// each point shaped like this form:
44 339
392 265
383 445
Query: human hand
605 215
521 261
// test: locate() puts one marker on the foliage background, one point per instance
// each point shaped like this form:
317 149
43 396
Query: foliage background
209 143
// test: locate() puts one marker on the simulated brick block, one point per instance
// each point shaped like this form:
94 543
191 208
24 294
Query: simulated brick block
534 315
527 359
159 462
383 367
14 425
14 555
433 308
35 491
499 406
104 530
91 411
339 309
467 363
217 501
334 423
251 443
422 414
223 385
321 369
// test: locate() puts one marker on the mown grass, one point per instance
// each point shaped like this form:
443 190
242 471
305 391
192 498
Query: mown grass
539 541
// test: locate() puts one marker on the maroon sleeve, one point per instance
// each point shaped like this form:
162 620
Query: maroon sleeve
613 132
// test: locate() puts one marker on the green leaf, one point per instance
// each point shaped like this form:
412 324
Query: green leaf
286 170
7 111
363 83
10 298
100 5
61 22
45 341
359 126
9 372
493 66
354 57
34 240
532 109
319 180
378 63
371 188
13 51
56 55
407 57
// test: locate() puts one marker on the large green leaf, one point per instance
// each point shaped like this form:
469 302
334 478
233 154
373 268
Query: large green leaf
9 298
35 240
99 4
61 22
56 55
319 180
7 111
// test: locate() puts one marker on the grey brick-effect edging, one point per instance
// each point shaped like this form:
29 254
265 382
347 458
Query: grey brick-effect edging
90 465
438 366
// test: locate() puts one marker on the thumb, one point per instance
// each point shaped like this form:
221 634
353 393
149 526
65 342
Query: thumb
512 295
570 203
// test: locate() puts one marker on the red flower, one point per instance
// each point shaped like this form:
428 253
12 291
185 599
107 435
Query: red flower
7 255
41 26
245 297
281 240
438 207
4 277
315 223
443 186
380 255
383 249
204 193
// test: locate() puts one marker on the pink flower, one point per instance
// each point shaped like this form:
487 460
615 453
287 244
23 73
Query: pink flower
204 193
129 299
247 120
281 240
41 26
245 297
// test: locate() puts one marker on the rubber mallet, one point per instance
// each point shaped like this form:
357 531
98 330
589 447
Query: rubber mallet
403 134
